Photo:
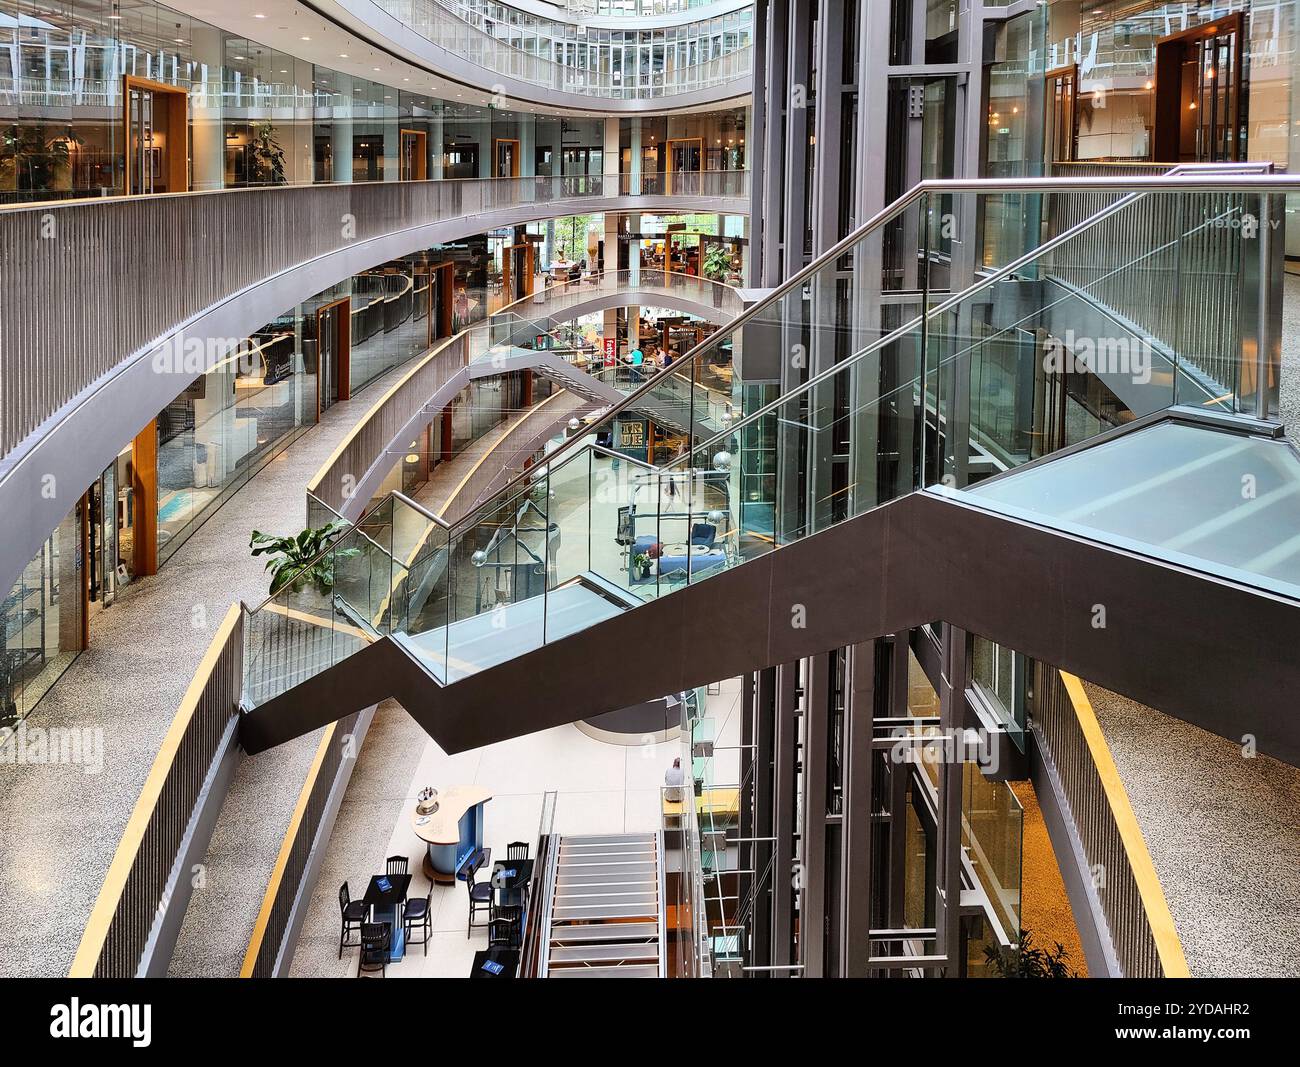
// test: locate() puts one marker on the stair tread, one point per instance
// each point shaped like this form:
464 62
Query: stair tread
615 931
614 953
628 971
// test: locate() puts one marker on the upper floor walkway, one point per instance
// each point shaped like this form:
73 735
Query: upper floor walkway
131 328
669 60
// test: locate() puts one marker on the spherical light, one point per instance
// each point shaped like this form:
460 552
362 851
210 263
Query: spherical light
715 517
574 424
722 461
479 558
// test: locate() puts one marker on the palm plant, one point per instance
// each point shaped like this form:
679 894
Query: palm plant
296 557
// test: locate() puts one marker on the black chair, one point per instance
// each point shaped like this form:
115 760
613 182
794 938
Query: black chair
397 865
502 934
480 897
509 919
353 914
418 914
517 850
376 939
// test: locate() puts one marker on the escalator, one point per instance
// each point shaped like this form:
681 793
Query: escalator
596 581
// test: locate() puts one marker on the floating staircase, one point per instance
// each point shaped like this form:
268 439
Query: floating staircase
606 913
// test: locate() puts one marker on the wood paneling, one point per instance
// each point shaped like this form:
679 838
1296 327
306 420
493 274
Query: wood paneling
144 486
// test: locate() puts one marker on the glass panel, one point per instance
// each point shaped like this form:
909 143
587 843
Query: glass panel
1187 490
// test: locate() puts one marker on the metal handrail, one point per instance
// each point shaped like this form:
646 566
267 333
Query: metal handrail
985 281
43 206
1157 183
1262 183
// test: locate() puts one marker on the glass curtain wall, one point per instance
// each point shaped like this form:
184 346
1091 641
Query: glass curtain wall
256 116
41 621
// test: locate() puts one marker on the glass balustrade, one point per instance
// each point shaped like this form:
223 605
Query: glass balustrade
1053 345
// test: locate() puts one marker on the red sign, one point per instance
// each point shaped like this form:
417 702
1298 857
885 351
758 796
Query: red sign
611 351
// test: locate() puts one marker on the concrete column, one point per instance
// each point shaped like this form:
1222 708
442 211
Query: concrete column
634 251
341 130
610 155
635 187
435 142
486 157
207 135
300 141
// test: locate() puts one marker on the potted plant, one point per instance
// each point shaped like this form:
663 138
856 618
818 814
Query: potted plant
32 162
268 156
1027 960
717 266
641 566
295 557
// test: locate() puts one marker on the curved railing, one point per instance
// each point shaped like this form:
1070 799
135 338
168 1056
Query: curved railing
343 485
102 302
462 31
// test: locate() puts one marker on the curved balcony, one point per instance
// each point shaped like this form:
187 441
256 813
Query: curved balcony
448 38
131 330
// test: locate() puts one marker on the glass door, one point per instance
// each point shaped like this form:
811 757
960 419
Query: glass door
141 172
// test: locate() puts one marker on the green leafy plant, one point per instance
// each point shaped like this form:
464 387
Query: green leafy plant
294 557
717 263
641 562
1027 960
32 161
268 156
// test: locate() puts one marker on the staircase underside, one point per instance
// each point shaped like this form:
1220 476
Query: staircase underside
923 558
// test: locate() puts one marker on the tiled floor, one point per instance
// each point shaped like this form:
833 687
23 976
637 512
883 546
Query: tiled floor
600 788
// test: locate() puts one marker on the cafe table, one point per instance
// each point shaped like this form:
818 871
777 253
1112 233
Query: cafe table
386 905
510 890
508 958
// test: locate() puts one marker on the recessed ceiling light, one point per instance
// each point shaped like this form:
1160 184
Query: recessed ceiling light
259 16
304 38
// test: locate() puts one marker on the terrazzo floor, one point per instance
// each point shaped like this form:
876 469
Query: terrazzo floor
59 827
256 812
1223 835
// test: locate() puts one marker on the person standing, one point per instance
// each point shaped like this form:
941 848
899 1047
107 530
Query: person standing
673 779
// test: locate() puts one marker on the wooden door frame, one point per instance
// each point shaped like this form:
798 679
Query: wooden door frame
144 489
83 634
176 160
669 169
345 350
496 158
442 280
1070 70
507 265
419 159
1166 114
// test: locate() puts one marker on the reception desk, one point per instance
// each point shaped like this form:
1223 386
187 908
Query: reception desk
452 833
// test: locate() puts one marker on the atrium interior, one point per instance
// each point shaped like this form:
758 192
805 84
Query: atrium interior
650 488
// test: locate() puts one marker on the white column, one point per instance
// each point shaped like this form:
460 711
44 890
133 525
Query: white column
610 156
207 135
